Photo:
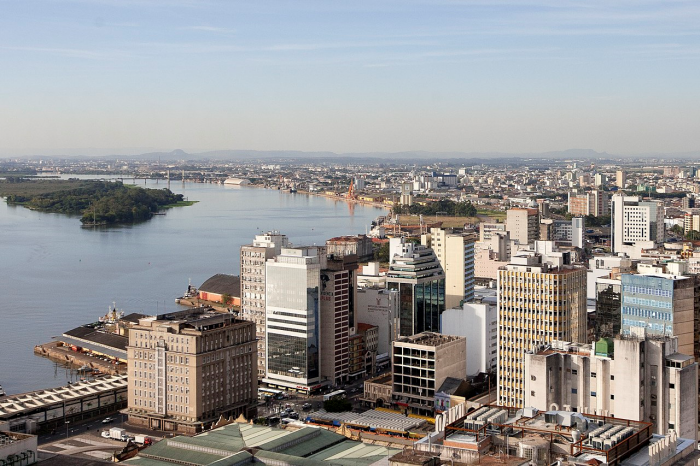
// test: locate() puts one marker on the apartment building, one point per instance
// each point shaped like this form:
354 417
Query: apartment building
637 378
455 252
595 203
335 327
477 321
253 259
420 364
523 224
188 368
538 302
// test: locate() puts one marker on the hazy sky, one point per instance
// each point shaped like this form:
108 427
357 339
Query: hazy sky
128 76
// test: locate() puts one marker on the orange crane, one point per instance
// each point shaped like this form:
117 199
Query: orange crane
351 190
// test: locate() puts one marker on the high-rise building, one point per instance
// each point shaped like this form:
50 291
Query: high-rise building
660 305
188 368
292 324
416 274
487 230
608 308
636 224
523 224
455 251
380 307
253 258
621 179
595 203
537 303
477 321
636 378
335 326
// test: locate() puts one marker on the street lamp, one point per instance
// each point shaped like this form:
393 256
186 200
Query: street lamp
67 423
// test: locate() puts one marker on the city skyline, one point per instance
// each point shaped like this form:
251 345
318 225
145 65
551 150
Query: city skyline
109 77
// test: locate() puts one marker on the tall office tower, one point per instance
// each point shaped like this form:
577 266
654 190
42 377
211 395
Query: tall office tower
639 378
416 274
621 179
253 258
523 224
335 327
608 307
537 303
636 225
487 230
455 251
661 305
292 324
188 368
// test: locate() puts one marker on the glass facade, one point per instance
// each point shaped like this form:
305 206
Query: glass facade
647 302
420 306
293 321
608 319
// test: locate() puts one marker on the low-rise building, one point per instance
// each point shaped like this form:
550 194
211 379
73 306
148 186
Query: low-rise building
420 365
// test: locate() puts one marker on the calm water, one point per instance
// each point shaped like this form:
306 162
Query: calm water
57 275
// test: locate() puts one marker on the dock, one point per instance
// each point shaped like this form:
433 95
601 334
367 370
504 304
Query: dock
57 351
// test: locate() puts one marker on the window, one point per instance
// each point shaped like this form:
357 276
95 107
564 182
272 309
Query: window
574 390
593 394
672 385
532 377
612 377
593 374
574 372
612 397
532 393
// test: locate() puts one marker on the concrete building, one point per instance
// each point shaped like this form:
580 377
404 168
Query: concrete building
540 298
621 179
188 368
18 449
563 232
492 254
417 275
370 277
608 308
420 364
604 266
253 259
370 339
357 245
636 225
455 251
380 307
335 325
292 295
660 305
523 224
486 230
595 203
641 379
477 321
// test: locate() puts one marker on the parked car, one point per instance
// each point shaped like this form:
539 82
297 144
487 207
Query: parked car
105 434
306 406
294 415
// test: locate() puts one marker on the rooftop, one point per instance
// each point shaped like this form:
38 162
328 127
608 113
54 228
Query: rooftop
429 339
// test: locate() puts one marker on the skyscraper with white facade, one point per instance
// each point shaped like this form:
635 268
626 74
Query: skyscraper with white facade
292 324
636 224
455 251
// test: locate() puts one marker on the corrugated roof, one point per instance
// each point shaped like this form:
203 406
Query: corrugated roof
320 440
99 337
164 451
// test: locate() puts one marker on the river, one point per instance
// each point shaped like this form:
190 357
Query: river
57 275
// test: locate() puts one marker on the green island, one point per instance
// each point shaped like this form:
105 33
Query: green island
99 202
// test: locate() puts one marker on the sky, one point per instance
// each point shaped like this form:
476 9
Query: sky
95 77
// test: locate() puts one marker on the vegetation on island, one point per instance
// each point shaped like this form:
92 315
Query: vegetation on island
99 202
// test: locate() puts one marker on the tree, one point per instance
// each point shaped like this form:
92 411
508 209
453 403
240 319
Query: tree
382 253
226 299
677 230
693 235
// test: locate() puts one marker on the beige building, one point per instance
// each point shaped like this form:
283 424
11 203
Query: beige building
537 304
635 378
455 252
253 258
523 224
620 179
188 368
335 327
420 365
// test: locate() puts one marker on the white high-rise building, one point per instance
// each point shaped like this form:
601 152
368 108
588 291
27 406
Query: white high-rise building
253 258
636 225
292 324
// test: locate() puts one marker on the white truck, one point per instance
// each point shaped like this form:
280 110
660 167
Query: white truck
142 440
116 433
